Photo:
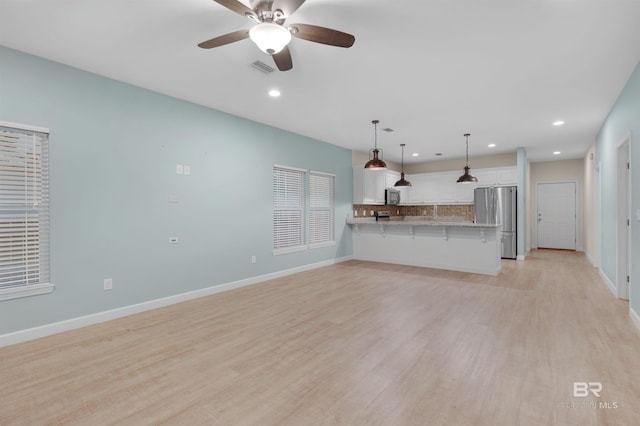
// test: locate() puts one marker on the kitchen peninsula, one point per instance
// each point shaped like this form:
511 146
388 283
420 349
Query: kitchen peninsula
440 243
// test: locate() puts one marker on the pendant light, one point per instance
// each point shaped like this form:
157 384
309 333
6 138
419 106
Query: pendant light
466 177
375 162
402 181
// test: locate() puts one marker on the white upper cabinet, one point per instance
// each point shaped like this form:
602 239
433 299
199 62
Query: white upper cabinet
427 188
423 189
368 185
496 176
507 176
450 191
390 178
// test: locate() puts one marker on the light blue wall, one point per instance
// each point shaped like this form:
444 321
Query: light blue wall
113 153
623 119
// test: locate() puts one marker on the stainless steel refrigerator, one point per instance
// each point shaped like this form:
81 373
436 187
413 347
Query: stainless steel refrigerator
498 205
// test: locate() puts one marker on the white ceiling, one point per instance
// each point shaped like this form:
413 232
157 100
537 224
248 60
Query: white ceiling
430 69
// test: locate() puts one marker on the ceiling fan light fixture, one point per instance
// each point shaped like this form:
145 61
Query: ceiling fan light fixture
375 162
269 37
466 177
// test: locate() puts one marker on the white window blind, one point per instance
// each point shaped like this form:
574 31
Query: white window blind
288 209
321 208
24 212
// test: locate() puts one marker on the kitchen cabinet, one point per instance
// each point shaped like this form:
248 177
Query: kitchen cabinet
427 188
368 185
424 189
507 176
452 192
390 178
496 176
443 188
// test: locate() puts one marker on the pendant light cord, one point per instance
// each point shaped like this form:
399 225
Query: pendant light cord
467 137
375 133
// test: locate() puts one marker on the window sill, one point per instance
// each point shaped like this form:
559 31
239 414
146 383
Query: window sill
325 244
25 291
286 250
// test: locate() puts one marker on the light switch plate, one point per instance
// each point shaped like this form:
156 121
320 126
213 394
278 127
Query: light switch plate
179 169
173 199
187 170
638 215
108 283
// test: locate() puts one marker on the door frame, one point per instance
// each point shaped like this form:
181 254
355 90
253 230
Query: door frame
577 203
623 214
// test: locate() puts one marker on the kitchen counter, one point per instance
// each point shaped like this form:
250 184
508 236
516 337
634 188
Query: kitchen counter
440 242
418 221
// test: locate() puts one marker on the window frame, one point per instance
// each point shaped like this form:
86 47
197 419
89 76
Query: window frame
290 207
306 211
331 208
25 289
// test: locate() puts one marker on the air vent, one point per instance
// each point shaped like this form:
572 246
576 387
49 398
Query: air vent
388 130
262 67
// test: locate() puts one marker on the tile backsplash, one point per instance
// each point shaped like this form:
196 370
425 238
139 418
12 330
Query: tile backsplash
461 211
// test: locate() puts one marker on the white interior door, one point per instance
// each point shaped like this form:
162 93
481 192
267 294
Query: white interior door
556 215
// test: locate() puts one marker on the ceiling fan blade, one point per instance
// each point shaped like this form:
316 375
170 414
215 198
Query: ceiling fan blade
322 35
287 6
225 39
237 7
283 59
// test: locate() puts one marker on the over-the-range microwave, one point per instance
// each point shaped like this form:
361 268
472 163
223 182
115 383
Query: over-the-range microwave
391 196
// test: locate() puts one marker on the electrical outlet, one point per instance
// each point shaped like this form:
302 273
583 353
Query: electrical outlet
253 259
108 283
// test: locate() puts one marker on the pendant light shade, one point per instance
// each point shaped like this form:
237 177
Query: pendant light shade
402 181
466 177
375 162
269 37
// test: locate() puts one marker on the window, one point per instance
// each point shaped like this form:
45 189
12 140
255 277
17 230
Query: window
288 209
24 211
296 214
321 209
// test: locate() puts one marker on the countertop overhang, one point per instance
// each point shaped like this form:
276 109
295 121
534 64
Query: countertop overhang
418 221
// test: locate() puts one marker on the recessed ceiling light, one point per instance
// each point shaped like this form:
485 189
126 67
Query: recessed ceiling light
558 123
274 93
492 145
415 154
438 154
556 153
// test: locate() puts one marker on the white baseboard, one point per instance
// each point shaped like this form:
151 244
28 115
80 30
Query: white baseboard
634 317
589 259
608 283
73 323
520 257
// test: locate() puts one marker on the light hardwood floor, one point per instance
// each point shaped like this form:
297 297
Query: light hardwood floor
356 343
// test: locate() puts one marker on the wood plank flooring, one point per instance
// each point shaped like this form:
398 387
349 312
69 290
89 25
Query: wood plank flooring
355 343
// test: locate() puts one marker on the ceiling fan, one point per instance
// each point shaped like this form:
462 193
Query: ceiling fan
271 35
